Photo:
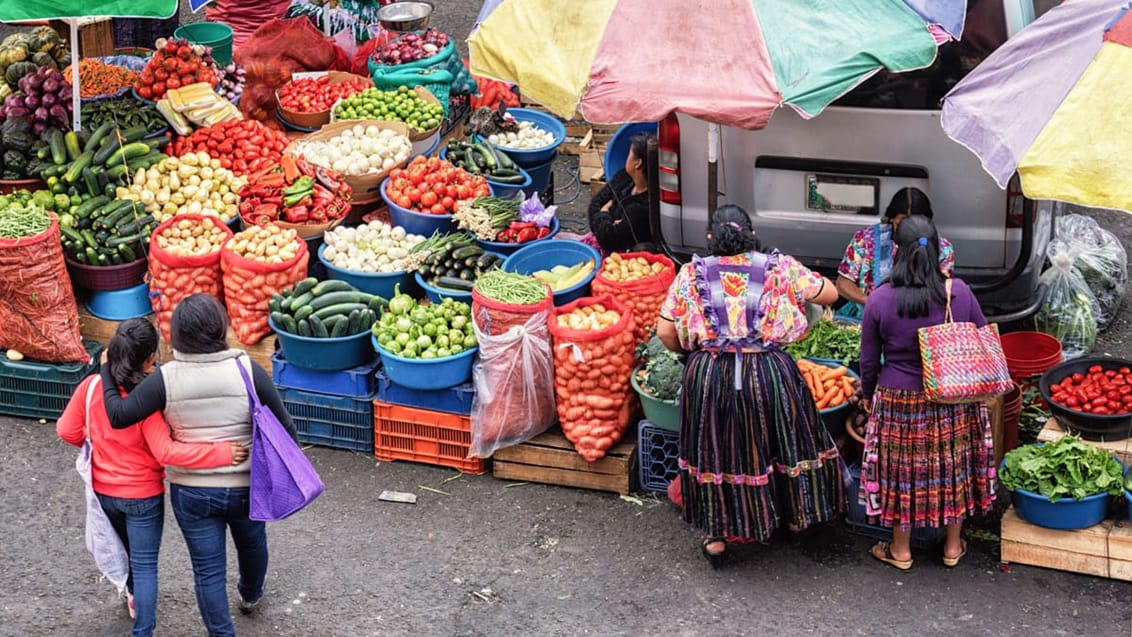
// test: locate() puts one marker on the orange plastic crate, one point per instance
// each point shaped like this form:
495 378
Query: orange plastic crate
423 435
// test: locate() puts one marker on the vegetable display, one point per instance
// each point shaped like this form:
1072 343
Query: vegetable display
487 217
831 386
317 94
426 332
20 146
44 99
99 78
21 217
1069 310
662 374
1066 467
330 309
433 186
258 263
192 238
527 137
24 52
411 47
192 184
1097 391
1101 259
483 158
830 340
621 270
104 232
372 247
184 259
457 265
510 288
401 105
361 150
98 163
294 192
561 277
195 104
124 112
242 146
640 280
174 64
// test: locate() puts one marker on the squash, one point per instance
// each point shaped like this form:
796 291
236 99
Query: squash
14 39
44 59
14 53
15 71
43 39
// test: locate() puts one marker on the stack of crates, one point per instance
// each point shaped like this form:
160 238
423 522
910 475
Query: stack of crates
329 408
428 426
42 390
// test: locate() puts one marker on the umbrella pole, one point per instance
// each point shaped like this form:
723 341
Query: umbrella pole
713 171
75 93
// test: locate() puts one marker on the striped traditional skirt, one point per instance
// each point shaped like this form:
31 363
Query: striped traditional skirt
755 459
926 464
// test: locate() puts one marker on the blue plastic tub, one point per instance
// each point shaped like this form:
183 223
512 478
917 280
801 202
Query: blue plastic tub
1066 514
344 352
544 255
431 150
369 282
119 305
536 156
357 382
453 400
438 373
1128 498
618 149
505 249
417 222
500 189
436 295
339 422
540 178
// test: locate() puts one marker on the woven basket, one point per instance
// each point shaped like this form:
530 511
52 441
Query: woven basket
365 187
304 230
414 135
316 120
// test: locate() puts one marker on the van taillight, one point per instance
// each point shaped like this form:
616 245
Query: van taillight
1015 203
668 156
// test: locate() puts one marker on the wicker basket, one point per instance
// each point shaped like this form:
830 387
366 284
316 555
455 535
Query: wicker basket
107 277
320 119
414 135
366 187
304 230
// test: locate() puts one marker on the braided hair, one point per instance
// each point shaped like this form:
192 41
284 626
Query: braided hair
133 343
732 233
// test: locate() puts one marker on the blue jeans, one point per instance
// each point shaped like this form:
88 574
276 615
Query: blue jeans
203 514
139 522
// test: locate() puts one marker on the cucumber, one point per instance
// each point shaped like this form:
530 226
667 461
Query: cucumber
303 327
469 251
275 304
305 285
289 324
332 285
135 226
297 301
114 242
71 141
355 321
134 134
70 233
377 304
318 328
90 205
58 148
98 136
106 149
117 216
334 298
505 160
489 162
507 177
277 319
76 170
90 181
303 312
127 152
341 308
338 325
128 253
454 283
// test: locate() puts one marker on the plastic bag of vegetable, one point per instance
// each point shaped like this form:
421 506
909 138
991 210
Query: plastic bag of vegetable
594 350
514 374
37 308
257 263
1069 310
184 259
1100 258
640 280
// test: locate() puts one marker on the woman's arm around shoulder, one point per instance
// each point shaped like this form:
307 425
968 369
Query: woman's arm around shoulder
201 455
148 397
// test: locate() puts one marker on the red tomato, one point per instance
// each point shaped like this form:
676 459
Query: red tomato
404 202
428 199
438 210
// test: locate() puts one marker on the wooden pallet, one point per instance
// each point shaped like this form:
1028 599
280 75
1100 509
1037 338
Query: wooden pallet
550 458
1122 449
1104 550
101 330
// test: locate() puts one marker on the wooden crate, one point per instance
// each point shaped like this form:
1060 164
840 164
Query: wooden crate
550 458
1104 550
96 36
1122 449
101 330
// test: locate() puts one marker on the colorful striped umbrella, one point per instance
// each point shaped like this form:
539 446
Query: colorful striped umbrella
1053 105
731 62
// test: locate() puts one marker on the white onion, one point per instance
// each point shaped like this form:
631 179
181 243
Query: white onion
373 247
358 150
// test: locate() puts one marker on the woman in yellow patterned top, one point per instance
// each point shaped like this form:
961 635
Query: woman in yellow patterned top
754 454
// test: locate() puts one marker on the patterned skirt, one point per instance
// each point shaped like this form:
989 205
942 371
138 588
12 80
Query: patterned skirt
755 459
926 464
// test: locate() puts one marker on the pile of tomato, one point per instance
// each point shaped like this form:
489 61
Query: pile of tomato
243 146
317 94
433 186
173 65
1100 391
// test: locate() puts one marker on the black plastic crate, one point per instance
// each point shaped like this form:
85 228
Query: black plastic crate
657 452
340 422
41 390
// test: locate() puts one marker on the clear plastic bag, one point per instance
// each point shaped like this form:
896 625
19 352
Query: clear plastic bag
514 381
1100 258
1069 309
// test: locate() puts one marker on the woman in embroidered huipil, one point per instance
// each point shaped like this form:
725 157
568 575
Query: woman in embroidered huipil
754 454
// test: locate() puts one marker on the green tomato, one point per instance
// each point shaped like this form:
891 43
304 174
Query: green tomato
455 336
429 329
469 342
456 348
428 355
410 350
459 321
420 316
423 341
442 341
403 324
442 352
384 338
403 338
393 346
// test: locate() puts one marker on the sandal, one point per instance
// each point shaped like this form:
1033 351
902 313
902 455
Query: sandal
715 559
952 562
886 556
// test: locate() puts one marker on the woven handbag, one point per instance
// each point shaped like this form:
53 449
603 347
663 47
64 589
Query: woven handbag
962 363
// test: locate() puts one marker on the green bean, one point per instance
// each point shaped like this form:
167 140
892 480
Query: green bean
511 288
18 221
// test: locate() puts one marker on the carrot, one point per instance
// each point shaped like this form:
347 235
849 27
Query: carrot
847 385
824 403
834 373
838 398
816 388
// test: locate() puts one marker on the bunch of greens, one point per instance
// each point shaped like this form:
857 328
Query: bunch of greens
830 340
1066 467
663 374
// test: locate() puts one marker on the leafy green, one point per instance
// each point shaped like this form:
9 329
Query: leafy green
830 340
1066 467
664 371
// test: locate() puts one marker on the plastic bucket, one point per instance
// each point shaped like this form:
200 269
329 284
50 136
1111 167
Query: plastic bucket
618 150
216 35
343 352
1011 414
506 249
119 305
377 283
437 373
540 177
536 156
1030 354
545 254
662 413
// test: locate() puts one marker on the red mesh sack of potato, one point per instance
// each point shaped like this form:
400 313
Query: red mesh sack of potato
37 309
593 359
513 375
257 263
639 280
184 259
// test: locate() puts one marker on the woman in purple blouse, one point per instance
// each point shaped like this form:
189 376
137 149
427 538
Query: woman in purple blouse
925 464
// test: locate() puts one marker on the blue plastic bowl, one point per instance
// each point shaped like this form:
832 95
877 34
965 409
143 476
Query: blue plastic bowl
417 222
436 295
545 254
438 373
500 189
834 417
511 248
119 305
540 176
618 149
1128 497
344 352
431 150
1066 514
369 282
536 156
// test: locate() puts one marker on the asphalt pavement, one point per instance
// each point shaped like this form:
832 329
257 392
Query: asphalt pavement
490 557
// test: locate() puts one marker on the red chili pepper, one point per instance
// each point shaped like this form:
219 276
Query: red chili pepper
318 213
542 232
267 209
326 179
297 214
526 234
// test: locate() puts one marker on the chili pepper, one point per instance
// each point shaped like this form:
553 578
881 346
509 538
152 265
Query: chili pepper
272 180
526 234
318 214
304 167
273 199
263 220
290 168
327 180
302 185
502 237
268 210
542 232
298 214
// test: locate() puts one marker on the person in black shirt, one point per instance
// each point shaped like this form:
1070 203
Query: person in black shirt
619 212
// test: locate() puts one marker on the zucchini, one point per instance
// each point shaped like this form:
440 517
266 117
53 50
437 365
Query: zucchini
468 274
485 261
303 327
91 242
76 170
456 245
341 308
303 312
99 135
135 226
489 162
90 205
377 304
90 180
289 324
91 255
334 298
297 301
115 216
70 233
128 253
507 177
128 152
114 242
332 285
454 283
451 273
106 149
277 319
471 262
505 160
134 134
354 322
58 148
71 142
275 304
469 251
318 328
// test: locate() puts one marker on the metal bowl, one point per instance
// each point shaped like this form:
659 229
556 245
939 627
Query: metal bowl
402 17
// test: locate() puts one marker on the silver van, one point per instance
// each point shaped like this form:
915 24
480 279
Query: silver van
810 184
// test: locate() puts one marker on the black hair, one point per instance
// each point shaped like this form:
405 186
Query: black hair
199 325
639 144
732 233
915 269
909 201
133 343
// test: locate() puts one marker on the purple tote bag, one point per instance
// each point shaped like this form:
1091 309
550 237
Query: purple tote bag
282 479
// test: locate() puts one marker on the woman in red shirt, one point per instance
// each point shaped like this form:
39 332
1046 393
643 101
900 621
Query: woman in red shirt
128 465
